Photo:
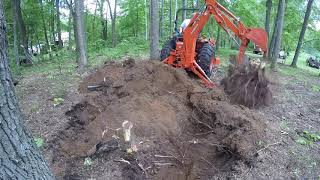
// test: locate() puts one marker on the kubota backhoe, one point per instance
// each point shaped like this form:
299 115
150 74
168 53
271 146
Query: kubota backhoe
188 50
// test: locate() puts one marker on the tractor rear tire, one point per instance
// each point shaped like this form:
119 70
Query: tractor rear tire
168 46
204 58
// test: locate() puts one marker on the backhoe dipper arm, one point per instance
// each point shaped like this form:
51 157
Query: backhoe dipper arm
227 21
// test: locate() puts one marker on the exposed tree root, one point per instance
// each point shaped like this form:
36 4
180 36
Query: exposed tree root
248 85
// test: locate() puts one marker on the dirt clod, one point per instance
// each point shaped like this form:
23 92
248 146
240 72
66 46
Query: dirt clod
181 130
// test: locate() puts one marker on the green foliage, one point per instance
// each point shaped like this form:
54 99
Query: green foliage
132 47
39 142
57 101
284 125
315 88
87 161
307 138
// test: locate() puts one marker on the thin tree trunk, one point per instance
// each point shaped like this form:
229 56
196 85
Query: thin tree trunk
80 35
23 31
279 26
154 30
15 39
303 31
59 23
274 35
69 31
268 15
218 43
52 22
184 12
113 22
44 28
19 157
104 22
38 41
170 18
161 19
114 36
146 19
94 22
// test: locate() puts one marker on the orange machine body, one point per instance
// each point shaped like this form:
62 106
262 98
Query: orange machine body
184 56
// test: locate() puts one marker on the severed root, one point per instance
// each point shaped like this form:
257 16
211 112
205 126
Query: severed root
248 85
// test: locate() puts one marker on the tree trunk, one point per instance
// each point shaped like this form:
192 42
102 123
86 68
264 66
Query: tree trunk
69 31
94 22
268 15
104 22
44 28
218 39
20 158
52 21
162 19
59 24
184 12
274 35
23 31
114 36
303 30
15 39
113 22
146 19
170 18
279 26
80 35
154 30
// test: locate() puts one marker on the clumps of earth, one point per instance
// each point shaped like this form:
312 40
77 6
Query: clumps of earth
179 129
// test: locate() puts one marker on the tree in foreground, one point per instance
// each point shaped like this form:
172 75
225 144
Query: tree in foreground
303 30
154 30
19 157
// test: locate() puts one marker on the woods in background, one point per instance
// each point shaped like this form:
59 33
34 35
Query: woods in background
42 27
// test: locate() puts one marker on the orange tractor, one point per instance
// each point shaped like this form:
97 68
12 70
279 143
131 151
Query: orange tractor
187 50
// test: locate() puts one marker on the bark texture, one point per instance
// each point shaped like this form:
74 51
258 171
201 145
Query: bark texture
154 30
44 26
19 157
80 35
303 31
278 35
113 22
184 12
15 39
22 30
268 15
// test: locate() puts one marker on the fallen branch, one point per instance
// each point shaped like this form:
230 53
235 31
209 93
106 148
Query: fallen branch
273 144
123 160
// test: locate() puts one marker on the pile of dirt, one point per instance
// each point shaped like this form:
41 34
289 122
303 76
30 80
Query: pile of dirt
180 129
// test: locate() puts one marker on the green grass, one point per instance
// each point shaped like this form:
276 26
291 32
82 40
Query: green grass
302 67
125 48
65 61
39 142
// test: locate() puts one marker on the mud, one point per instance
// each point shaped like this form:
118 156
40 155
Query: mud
181 130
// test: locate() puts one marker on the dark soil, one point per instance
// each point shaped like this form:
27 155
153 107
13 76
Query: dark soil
181 130
296 108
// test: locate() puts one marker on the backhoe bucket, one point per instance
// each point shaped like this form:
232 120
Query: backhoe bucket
259 37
